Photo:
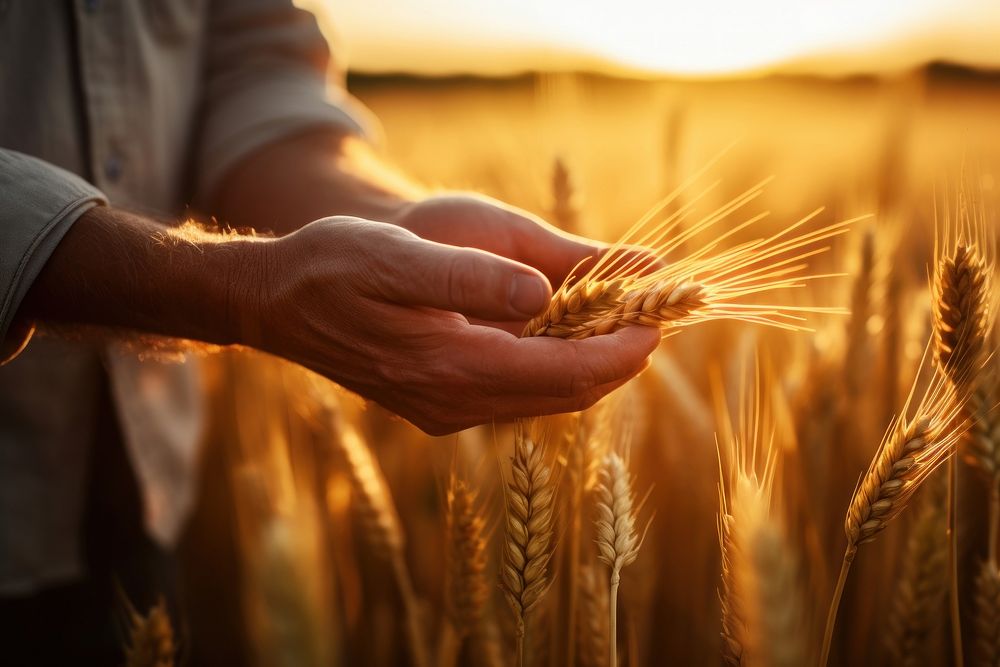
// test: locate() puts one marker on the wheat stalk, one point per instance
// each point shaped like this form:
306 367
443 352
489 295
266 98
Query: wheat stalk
984 431
961 292
617 540
923 583
986 643
592 619
466 558
983 443
528 535
288 616
628 288
485 643
465 567
589 436
760 593
564 211
910 451
151 637
382 529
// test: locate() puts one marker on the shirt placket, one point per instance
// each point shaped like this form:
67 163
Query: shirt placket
104 59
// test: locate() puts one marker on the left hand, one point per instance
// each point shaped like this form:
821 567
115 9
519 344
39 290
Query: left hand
480 222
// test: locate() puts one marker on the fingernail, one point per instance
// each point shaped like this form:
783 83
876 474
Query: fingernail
528 294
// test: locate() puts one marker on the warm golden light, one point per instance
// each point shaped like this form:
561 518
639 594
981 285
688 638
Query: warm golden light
705 38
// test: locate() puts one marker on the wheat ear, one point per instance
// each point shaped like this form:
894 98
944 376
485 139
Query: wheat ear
762 599
151 637
564 212
983 441
528 535
592 618
629 288
465 566
923 584
986 643
911 450
618 541
760 594
588 438
961 296
382 530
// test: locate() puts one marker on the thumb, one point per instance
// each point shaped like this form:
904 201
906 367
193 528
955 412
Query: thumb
472 282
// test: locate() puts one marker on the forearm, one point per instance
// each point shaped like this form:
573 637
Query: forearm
119 270
290 183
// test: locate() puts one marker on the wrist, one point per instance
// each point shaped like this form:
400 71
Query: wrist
243 295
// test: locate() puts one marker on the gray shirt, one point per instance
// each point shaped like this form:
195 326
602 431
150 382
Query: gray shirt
144 105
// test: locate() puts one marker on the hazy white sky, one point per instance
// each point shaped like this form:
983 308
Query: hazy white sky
698 38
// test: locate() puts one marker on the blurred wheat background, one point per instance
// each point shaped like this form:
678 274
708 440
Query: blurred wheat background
331 533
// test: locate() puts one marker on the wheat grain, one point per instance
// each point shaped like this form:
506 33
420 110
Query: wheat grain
911 450
627 288
466 558
617 540
528 535
961 297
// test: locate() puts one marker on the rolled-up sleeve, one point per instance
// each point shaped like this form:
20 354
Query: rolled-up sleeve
38 204
266 80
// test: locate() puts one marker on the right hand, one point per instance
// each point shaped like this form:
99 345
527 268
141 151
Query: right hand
383 312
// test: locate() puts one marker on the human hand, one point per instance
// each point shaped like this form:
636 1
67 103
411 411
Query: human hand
476 221
380 311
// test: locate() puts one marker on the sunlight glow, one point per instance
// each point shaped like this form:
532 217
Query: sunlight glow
703 38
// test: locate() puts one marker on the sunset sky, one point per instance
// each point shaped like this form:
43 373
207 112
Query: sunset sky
661 37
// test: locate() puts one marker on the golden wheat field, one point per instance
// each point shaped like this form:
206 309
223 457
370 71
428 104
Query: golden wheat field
822 402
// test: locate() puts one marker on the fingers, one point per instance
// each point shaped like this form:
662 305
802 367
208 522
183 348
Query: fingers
560 255
548 388
553 252
468 281
536 407
513 328
566 370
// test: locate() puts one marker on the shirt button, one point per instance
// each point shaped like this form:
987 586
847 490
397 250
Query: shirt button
91 5
113 168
